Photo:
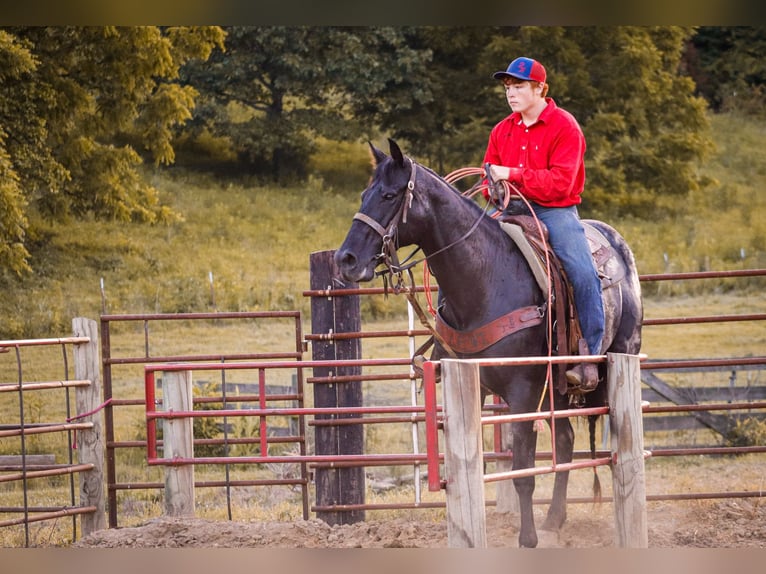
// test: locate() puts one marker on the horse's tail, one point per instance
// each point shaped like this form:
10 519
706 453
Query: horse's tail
592 435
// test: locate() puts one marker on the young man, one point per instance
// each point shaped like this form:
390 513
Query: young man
540 148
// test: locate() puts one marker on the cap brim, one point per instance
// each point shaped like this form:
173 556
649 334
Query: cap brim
503 74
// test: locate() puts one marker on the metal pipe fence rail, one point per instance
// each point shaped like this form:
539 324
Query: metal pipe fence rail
501 454
80 437
315 461
348 419
116 401
421 414
117 404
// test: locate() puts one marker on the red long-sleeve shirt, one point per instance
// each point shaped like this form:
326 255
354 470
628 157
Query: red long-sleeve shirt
550 153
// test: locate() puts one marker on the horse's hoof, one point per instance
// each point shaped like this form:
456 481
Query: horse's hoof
576 399
549 539
528 541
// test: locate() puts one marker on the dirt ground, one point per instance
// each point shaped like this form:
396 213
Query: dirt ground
734 523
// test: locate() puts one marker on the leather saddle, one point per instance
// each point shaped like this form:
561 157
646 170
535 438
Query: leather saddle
524 231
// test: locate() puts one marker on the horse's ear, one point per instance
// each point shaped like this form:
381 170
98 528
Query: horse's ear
396 153
377 155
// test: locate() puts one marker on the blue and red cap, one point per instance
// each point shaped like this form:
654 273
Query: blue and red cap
523 69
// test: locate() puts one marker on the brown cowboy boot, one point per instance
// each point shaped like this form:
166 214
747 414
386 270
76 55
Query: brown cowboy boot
583 377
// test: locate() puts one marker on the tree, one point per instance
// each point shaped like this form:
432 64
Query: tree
16 64
275 89
449 128
78 106
728 68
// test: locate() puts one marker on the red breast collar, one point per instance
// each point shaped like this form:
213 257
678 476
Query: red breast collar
471 342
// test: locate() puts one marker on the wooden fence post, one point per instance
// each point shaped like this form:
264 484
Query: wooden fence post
627 432
90 444
506 495
178 441
463 455
336 315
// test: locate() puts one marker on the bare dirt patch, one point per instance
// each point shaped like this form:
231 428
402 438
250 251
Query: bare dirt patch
736 523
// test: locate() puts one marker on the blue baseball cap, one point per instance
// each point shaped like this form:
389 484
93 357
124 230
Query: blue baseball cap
524 69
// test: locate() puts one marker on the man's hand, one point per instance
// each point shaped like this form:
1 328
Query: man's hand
501 172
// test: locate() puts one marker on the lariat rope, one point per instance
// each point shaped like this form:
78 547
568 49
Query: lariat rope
509 190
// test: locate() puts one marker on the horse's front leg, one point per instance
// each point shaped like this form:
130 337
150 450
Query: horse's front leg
557 512
524 445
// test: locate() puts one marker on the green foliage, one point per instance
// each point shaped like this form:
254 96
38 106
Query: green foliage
727 65
295 84
73 97
87 105
13 222
449 124
747 431
256 241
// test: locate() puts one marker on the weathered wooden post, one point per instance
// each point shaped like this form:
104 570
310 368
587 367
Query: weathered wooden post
463 455
178 441
507 497
336 315
90 443
627 430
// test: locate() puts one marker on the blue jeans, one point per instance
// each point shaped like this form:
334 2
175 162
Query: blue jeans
567 238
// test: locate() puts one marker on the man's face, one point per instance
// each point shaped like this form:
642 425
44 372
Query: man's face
521 94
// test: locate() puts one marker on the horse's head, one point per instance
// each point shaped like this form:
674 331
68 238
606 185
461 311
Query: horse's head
385 204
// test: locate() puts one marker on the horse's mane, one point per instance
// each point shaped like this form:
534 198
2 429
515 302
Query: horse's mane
470 203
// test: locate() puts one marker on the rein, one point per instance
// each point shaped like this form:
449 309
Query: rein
388 253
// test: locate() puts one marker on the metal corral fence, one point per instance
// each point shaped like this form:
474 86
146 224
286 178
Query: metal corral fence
79 427
676 407
125 397
347 495
272 394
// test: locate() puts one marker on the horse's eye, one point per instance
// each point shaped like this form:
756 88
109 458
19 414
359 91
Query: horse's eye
389 195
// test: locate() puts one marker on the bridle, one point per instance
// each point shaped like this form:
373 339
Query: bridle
388 255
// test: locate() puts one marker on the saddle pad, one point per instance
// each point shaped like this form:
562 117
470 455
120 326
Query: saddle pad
517 234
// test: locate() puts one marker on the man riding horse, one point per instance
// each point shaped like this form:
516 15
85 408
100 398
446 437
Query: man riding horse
540 149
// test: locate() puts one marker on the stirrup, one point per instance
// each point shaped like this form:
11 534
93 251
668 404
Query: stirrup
582 378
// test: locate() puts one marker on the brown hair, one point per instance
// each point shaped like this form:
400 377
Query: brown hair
515 80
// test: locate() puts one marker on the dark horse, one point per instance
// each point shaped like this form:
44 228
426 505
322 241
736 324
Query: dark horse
482 275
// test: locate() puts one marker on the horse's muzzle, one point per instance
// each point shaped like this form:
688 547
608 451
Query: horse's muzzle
351 269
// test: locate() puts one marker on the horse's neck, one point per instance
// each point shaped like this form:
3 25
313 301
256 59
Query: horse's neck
481 276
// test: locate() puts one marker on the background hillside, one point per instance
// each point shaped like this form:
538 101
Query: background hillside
88 108
255 240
